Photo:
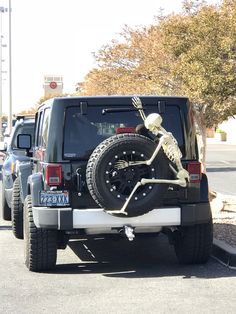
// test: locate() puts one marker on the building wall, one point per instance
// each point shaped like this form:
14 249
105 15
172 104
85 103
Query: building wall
53 85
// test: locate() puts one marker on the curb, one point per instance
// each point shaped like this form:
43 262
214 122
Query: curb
221 251
223 201
224 253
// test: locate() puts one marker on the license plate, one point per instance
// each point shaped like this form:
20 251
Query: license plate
54 198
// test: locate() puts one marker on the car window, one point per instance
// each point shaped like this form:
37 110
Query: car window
45 127
83 132
42 128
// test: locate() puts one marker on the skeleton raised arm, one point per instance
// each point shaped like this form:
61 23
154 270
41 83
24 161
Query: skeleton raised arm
167 141
136 101
169 145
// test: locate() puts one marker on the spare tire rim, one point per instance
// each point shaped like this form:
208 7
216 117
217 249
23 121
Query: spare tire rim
121 182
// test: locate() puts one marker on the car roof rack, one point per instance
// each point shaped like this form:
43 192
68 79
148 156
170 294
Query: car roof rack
26 116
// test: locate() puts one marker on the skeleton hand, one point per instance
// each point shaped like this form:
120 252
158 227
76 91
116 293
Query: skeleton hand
121 164
137 102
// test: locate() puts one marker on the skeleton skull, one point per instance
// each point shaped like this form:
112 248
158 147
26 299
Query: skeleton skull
153 122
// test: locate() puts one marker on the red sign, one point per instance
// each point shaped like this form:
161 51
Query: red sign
53 85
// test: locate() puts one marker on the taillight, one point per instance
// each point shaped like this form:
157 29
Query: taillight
194 169
125 130
53 174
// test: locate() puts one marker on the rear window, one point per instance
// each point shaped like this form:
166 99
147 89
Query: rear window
83 132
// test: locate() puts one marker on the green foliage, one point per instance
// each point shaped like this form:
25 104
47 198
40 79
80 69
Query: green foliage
220 131
203 47
44 98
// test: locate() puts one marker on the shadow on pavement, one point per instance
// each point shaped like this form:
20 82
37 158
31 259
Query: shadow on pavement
151 257
5 228
221 169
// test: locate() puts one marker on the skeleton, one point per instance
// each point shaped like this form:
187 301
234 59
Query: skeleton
170 147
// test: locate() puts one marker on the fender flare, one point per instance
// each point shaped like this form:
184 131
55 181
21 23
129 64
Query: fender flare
34 185
24 170
204 189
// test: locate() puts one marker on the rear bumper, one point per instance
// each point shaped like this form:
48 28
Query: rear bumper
97 219
192 214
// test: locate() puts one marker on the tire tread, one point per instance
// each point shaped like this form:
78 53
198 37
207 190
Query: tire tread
17 211
193 244
41 244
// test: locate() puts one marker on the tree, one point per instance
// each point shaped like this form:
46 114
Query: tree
31 111
127 66
192 53
49 96
202 44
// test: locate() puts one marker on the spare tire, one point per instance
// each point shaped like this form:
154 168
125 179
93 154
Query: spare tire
110 187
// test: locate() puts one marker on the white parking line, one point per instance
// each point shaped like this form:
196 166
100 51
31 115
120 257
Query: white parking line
225 162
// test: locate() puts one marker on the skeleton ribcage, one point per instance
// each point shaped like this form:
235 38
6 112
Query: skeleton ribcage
171 149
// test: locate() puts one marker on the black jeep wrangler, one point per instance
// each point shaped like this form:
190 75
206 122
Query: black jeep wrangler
89 175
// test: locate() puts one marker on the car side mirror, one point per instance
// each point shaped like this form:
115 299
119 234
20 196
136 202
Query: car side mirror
24 141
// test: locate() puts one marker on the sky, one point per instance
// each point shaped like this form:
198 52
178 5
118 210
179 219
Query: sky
58 37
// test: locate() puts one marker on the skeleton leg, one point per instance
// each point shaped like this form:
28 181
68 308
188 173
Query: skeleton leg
122 210
156 151
181 181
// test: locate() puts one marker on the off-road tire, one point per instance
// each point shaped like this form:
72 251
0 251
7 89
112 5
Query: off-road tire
40 244
17 211
102 163
193 244
6 210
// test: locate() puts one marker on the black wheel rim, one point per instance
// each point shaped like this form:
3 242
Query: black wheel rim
120 182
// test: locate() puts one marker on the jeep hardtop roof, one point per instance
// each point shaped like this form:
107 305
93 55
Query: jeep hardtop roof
116 100
180 108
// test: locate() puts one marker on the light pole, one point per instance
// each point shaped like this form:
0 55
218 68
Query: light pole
10 72
2 10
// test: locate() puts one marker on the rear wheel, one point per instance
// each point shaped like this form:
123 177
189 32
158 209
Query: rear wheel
17 211
193 244
6 210
40 244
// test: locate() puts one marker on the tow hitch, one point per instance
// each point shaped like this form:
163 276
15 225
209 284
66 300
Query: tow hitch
129 232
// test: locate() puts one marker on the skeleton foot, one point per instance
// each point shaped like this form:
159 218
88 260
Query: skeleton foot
123 209
119 211
183 175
